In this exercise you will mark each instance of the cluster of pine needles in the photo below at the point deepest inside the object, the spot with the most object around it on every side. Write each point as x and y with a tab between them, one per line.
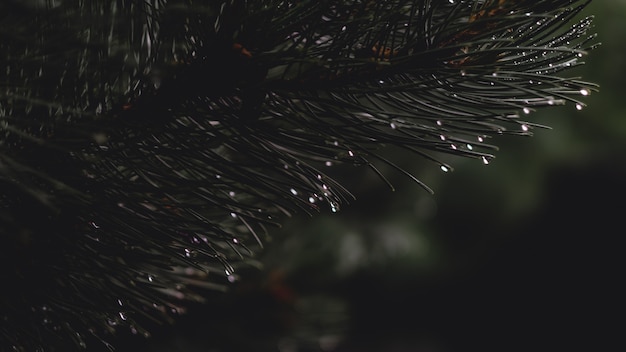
149	146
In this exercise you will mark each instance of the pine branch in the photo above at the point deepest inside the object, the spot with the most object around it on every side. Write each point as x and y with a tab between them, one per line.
142	137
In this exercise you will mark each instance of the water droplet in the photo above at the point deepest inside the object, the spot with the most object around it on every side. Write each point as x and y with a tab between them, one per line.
231	193
311	200
233	215
122	315
235	240
334	207
525	128
526	110
294	192
469	146
439	123
453	146
585	92
329	163
579	106
231	278
485	160
393	126
480	139
350	153
119	301
442	137
150	278
444	168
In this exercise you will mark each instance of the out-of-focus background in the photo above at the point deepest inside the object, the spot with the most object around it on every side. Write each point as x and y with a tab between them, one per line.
520	254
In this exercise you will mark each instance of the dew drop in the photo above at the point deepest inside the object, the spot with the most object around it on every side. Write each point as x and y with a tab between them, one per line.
526	110
328	163
334	207
485	160
579	106
444	168
122	315
311	200
393	126
442	137
585	92
469	146
231	193
294	192
150	278
525	128
439	123
233	215
480	139
350	153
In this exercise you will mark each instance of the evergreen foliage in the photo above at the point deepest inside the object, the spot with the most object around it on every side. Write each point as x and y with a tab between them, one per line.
146	146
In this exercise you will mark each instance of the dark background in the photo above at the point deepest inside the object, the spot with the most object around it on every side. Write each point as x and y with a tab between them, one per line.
521	254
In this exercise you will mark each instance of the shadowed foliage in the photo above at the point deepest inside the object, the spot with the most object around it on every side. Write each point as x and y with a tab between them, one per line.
147	146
